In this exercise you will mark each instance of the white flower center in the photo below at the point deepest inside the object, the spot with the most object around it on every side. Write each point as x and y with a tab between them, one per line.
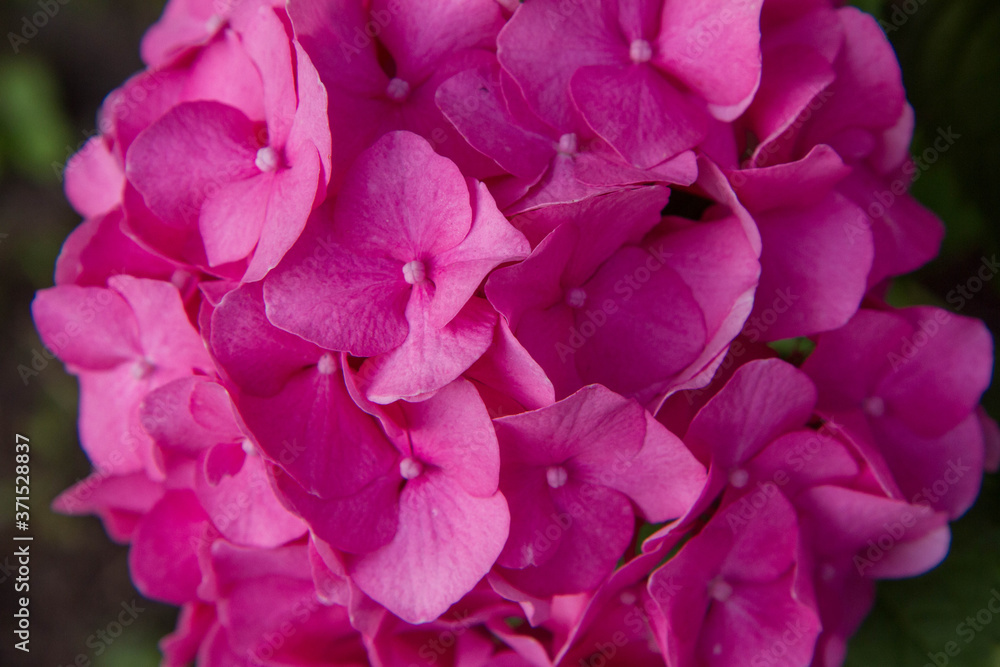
397	90
327	364
414	272
267	159
556	476
576	297
719	589
739	478
873	406
410	468
640	51
142	369
568	144
213	23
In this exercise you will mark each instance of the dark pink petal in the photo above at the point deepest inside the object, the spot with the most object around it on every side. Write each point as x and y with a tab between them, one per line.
727	71
245	509
88	327
763	400
403	200
458	272
195	149
338	299
446	542
241	333
564	38
94	178
797	298
452	432
638	112
162	558
119	500
358	523
431	357
423	33
473	101
643	339
595	526
268	45
98	249
167	336
508	367
663	456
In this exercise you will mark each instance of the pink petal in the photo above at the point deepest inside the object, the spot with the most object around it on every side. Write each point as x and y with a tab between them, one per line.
446	542
162	559
432	357
639	113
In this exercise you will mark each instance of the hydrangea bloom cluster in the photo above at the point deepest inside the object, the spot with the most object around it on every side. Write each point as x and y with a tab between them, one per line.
413	332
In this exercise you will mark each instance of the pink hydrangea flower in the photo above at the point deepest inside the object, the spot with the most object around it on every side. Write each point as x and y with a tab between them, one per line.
640	74
394	273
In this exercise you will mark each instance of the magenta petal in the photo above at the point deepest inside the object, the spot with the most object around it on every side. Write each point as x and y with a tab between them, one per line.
595	524
762	401
254	353
195	147
358	523
245	509
293	192
94	179
473	102
638	112
162	559
564	41
422	33
338	299
167	335
88	327
937	384
446	542
663	457
324	441
727	72
508	366
452	431
458	272
430	357
403	200
231	220
268	45
805	300
644	340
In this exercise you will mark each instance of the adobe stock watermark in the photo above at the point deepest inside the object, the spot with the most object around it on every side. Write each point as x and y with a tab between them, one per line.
966	631
434	649
759	324
966	291
894	532
595	317
910	346
31	25
740	513
911	173
363	37
102	638
901	13
87	311
708	31
764	156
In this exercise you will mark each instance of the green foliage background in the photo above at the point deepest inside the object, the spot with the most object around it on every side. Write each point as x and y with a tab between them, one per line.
49	95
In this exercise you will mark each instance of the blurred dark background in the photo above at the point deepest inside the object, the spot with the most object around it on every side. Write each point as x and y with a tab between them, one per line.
50	91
